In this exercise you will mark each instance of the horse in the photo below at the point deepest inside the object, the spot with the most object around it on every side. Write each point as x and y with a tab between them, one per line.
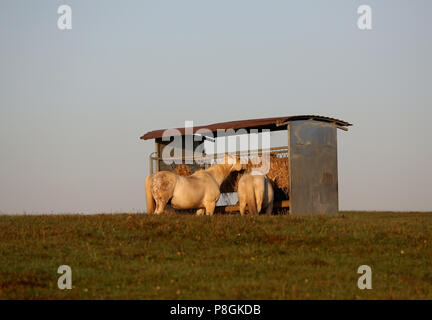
255	191
201	190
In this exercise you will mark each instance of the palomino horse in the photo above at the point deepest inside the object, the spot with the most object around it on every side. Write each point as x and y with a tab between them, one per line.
197	191
257	192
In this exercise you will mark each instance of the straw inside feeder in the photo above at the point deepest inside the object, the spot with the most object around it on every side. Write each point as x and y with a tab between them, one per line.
182	170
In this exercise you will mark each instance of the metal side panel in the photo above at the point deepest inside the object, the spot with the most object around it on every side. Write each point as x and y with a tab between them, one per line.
313	168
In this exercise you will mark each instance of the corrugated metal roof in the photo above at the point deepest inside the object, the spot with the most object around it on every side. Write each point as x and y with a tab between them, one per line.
264	123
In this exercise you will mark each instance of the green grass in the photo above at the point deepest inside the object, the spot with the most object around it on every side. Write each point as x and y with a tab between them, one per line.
138	256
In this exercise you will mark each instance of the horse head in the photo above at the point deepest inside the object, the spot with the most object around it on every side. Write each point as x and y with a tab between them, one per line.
236	162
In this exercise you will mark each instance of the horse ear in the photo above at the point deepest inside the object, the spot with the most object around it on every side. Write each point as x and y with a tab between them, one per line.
227	158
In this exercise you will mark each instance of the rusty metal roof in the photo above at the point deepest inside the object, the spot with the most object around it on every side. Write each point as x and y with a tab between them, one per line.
264	123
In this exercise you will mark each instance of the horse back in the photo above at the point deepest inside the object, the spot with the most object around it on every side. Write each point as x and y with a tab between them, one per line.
194	190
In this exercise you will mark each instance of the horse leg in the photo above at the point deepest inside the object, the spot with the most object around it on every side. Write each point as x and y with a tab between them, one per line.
160	206
200	212
161	202
259	200
269	208
163	184
242	203
269	198
210	207
251	203
242	207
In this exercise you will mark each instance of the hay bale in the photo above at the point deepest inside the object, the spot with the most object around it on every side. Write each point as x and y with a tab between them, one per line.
279	176
279	173
182	170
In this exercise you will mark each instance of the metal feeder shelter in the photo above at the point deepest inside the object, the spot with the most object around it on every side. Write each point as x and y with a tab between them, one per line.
311	150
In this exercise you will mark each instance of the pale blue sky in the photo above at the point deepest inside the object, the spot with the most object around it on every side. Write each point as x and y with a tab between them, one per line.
74	103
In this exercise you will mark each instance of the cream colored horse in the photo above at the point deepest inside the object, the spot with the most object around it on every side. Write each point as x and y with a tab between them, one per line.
197	191
256	192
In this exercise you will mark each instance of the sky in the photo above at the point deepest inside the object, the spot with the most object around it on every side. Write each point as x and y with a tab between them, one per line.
73	103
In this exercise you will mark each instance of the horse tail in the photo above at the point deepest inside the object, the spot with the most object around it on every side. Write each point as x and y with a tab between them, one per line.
260	191
149	197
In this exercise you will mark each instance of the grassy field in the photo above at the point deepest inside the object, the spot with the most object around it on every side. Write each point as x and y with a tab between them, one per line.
138	256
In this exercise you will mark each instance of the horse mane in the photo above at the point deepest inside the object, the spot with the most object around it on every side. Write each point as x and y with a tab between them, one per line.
219	172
